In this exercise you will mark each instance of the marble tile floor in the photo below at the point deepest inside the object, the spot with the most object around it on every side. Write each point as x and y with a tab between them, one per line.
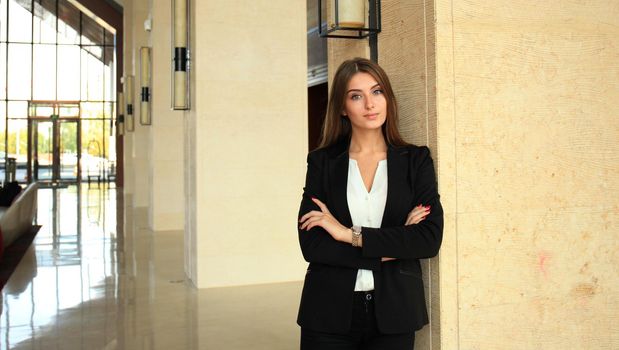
87	283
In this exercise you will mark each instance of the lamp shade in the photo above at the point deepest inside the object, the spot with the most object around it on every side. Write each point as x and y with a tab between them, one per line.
129	91
120	125
351	13
352	19
145	70
180	55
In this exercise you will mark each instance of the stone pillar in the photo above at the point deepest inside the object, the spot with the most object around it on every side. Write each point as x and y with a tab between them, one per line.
527	144
246	142
137	143
166	190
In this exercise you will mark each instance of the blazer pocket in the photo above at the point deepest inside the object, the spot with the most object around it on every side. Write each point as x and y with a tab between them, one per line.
411	273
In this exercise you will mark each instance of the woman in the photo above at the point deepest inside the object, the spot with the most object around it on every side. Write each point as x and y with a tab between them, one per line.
370	211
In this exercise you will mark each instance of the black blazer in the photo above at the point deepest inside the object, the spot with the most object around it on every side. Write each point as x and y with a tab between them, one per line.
327	297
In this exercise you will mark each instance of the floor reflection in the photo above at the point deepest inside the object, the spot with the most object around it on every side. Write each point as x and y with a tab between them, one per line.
73	261
97	278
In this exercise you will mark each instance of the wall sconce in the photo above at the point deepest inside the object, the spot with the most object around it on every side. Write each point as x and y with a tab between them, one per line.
128	89
180	55
352	19
145	69
120	118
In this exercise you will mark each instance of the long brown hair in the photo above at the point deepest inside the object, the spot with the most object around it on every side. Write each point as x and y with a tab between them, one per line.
336	125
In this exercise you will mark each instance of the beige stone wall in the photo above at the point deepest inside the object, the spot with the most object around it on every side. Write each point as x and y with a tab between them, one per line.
527	141
191	254
247	142
128	176
166	209
136	155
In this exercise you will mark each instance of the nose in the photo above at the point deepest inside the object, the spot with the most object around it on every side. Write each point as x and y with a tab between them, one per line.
369	102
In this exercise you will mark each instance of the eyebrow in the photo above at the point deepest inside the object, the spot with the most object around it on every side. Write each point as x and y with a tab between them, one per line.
351	90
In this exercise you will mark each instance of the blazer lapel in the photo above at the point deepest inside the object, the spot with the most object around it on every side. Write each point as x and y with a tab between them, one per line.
397	172
338	180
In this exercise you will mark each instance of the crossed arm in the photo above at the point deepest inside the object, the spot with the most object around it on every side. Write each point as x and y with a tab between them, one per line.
324	240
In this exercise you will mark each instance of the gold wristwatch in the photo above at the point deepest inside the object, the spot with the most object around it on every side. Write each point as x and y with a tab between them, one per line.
356	235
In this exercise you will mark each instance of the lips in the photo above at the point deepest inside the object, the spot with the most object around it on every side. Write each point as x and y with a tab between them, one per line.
371	116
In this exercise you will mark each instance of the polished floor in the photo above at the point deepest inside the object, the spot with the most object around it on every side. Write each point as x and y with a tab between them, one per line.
95	278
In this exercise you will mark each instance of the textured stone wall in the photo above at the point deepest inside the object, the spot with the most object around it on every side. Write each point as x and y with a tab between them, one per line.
527	130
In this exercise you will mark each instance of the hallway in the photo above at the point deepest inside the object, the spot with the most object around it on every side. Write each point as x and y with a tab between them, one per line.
87	284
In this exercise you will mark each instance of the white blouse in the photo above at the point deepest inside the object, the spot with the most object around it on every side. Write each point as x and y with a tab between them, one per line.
366	208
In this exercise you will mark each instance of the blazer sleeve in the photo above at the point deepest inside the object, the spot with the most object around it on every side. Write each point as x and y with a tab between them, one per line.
417	241
317	244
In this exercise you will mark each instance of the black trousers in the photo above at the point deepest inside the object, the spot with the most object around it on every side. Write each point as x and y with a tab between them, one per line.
363	335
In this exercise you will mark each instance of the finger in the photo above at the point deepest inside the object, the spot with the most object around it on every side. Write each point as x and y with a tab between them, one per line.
321	205
314	223
416	212
309	214
420	211
307	224
311	219
421	214
417	218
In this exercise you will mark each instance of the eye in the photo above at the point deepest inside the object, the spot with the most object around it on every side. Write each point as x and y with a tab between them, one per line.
377	92
355	97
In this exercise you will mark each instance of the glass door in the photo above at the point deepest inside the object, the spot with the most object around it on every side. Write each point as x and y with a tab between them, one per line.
43	150
53	143
68	160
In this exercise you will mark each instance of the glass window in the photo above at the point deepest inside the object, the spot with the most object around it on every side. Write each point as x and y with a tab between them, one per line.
109	74
92	77
44	22
108	109
17	145
2	138
50	51
110	112
44	71
3	67
2	131
68	23
19	78
93	156
69	110
17	109
68	73
92	110
94	50
20	20
92	137
3	20
41	110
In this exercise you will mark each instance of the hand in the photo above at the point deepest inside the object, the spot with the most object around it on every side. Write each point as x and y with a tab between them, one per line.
417	214
324	219
414	217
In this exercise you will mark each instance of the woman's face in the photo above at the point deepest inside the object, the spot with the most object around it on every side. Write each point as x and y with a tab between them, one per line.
365	103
